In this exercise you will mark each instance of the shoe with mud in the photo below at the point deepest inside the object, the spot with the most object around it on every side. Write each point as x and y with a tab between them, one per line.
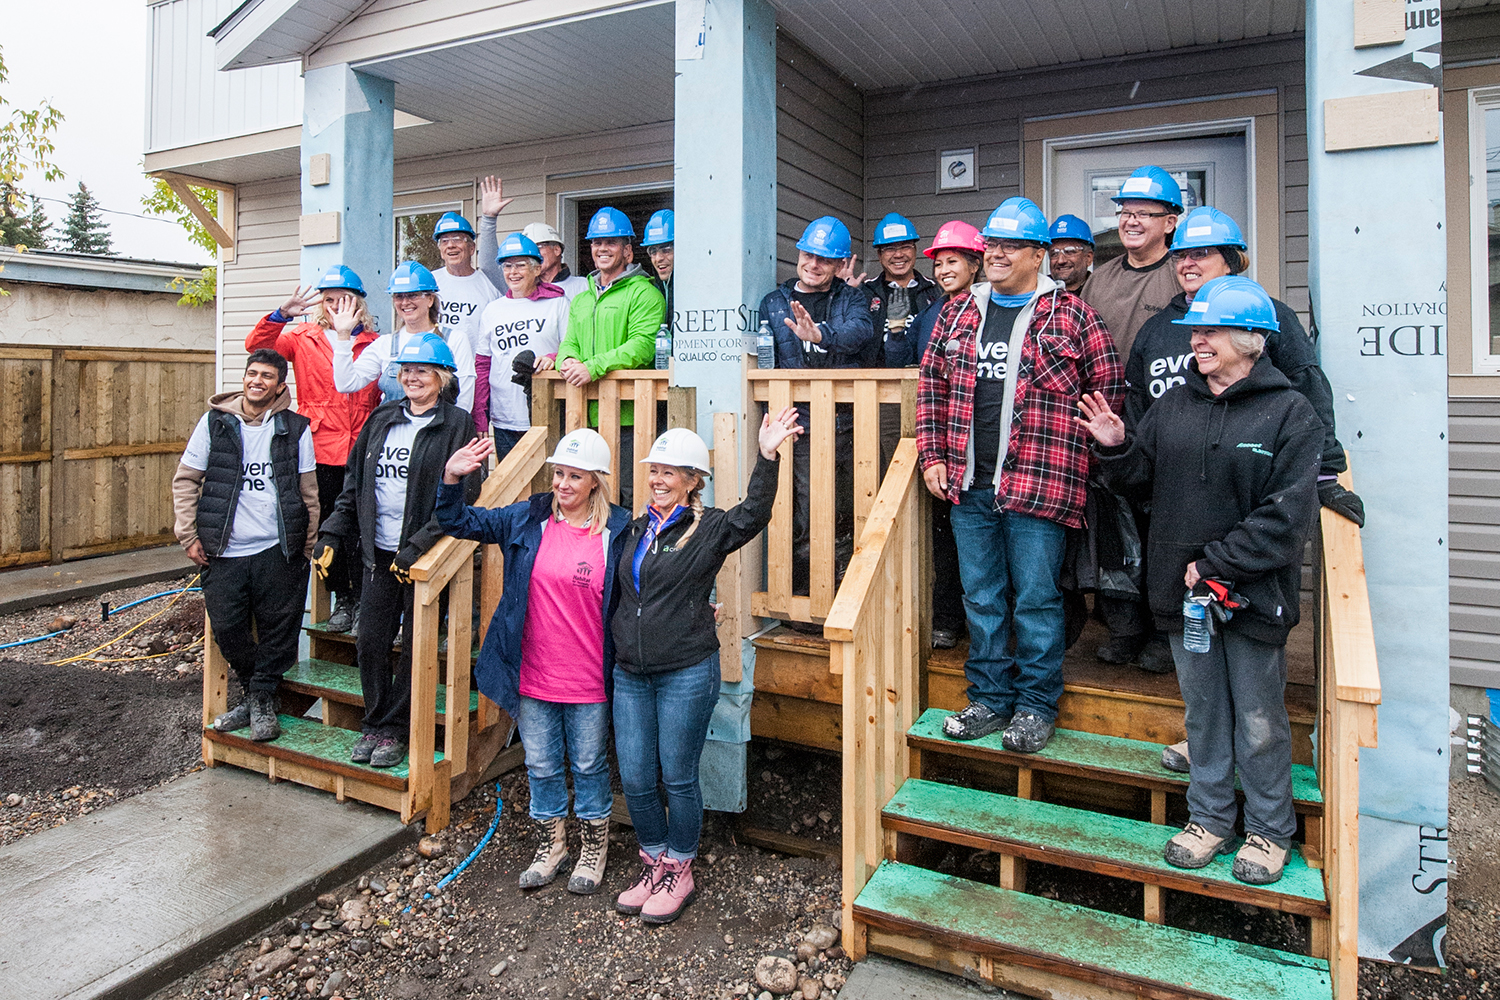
1156	658
1195	847
551	853
1027	733
1175	758
264	726
1119	650
593	854
973	722
235	719
944	638
363	748
388	752
674	891
1259	862
633	899
342	619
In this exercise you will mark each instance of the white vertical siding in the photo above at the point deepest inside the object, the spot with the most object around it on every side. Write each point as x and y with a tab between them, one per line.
265	268
188	101
1474	542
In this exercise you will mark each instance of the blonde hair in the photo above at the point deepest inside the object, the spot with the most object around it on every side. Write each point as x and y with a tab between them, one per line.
695	503
319	316
1248	342
598	504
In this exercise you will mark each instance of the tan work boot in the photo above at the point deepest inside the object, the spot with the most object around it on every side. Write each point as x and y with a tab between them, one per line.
593	854
551	853
1195	847
1175	758
1260	861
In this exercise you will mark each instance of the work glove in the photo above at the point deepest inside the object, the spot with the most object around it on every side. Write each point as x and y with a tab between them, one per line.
1344	503
1225	601
322	557
401	567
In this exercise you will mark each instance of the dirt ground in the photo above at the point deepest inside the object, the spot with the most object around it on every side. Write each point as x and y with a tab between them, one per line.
77	737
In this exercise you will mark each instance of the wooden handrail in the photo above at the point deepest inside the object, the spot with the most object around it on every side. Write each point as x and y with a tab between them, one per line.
564	408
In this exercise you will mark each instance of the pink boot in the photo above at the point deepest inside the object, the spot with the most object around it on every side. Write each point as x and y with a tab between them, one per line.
631	900
674	890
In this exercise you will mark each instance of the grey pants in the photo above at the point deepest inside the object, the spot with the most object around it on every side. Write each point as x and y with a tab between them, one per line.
1236	718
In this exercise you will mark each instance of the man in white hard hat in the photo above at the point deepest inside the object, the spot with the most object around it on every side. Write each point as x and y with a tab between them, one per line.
492	202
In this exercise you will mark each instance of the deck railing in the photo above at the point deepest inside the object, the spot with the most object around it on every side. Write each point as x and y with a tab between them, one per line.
564	408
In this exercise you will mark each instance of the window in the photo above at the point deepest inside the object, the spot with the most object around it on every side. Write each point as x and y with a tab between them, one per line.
1484	147
414	238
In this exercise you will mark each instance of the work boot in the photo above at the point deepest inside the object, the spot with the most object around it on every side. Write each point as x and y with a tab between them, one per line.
264	725
674	891
1195	847
342	619
1175	758
631	900
1260	861
363	748
235	719
944	638
593	854
1119	650
389	751
1156	657
974	721
551	853
1027	733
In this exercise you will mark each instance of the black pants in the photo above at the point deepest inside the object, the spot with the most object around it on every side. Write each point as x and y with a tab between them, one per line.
385	605
343	575
843	497
947	588
255	604
627	468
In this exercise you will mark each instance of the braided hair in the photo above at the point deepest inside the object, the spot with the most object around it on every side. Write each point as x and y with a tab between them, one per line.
695	502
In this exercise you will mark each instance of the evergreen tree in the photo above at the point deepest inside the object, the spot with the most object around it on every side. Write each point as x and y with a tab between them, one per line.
84	229
28	231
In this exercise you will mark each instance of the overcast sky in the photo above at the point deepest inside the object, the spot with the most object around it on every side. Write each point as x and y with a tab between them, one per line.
93	70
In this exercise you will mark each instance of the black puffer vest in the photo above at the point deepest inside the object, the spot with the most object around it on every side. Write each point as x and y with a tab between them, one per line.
221	482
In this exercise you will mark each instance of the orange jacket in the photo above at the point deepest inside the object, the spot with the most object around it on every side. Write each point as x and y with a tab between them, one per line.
336	416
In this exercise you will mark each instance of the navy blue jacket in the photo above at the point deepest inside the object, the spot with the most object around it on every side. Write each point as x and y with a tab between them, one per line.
517	529
907	352
849	339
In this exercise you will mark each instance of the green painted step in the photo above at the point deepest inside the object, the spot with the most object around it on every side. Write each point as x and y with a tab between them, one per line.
1081	943
321	630
326	748
340	682
1130	762
1077	838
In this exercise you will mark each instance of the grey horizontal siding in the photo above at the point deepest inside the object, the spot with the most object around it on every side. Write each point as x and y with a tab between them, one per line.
1474	542
1471	36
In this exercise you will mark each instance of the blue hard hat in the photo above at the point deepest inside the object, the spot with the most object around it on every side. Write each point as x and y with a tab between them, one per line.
1017	219
1150	184
339	276
1207	227
609	222
428	349
894	228
1232	300
660	228
1071	227
517	245
452	222
826	237
410	276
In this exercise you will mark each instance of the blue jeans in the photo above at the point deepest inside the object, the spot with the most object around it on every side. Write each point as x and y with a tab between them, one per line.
1007	559
505	440
661	724
549	730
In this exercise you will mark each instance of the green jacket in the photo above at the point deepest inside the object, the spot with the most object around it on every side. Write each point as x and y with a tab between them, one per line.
614	329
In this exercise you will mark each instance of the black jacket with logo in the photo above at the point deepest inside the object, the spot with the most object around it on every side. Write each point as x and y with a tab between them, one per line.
1233	483
669	623
898	349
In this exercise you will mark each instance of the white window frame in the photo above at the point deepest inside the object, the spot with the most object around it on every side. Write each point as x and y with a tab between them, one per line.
1485	361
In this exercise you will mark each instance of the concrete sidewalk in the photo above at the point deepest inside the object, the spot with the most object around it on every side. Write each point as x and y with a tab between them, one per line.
125	900
22	589
881	978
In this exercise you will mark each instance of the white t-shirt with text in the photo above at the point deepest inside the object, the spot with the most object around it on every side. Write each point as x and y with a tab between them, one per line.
254	529
508	327
390	479
461	302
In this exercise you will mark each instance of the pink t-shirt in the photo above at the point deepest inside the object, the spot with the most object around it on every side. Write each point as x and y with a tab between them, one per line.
562	644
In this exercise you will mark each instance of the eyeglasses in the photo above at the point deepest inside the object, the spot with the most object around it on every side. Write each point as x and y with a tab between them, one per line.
408	296
1067	251
1195	253
1008	247
411	368
1126	215
453	239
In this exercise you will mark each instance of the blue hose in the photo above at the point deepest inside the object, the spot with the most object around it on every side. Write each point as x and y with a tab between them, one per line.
164	593
455	873
27	642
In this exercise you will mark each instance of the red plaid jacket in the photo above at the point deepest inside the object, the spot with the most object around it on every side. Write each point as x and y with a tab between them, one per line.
1067	352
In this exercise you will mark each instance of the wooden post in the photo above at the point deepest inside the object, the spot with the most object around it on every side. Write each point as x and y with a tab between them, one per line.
866	452
419	780
609	429
779	534
491	586
460	643
215	685
682	409
822	500
729	583
645	436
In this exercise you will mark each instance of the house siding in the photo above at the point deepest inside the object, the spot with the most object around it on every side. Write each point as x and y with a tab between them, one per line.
1474	541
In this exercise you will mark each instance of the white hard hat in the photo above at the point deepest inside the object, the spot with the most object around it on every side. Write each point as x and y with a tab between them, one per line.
681	447
583	449
540	232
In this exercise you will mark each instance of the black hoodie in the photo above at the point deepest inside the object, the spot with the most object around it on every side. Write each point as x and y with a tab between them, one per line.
1233	484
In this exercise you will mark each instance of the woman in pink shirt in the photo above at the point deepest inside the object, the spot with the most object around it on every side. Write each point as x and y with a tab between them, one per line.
547	655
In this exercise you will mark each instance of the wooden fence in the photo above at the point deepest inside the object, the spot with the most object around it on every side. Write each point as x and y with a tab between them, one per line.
564	408
89	441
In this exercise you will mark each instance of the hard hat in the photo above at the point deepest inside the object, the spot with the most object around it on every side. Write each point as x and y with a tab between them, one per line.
609	222
452	222
1018	219
540	232
582	449
956	235
339	276
660	228
517	245
680	447
1232	300
1207	227
1150	184
428	349
826	237
894	228
410	276
1071	227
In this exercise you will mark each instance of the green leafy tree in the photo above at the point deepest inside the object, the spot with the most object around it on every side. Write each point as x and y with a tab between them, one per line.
84	228
163	201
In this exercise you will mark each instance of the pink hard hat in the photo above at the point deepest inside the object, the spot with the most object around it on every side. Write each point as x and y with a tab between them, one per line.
956	235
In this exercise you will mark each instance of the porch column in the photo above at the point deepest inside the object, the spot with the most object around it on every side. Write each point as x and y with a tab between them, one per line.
1378	263
348	154
725	204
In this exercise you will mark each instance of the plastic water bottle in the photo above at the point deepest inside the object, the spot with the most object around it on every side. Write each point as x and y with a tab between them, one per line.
663	347
1195	634
765	347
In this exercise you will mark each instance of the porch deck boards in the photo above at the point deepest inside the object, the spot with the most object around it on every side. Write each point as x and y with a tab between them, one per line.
340	682
1120	952
1088	841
